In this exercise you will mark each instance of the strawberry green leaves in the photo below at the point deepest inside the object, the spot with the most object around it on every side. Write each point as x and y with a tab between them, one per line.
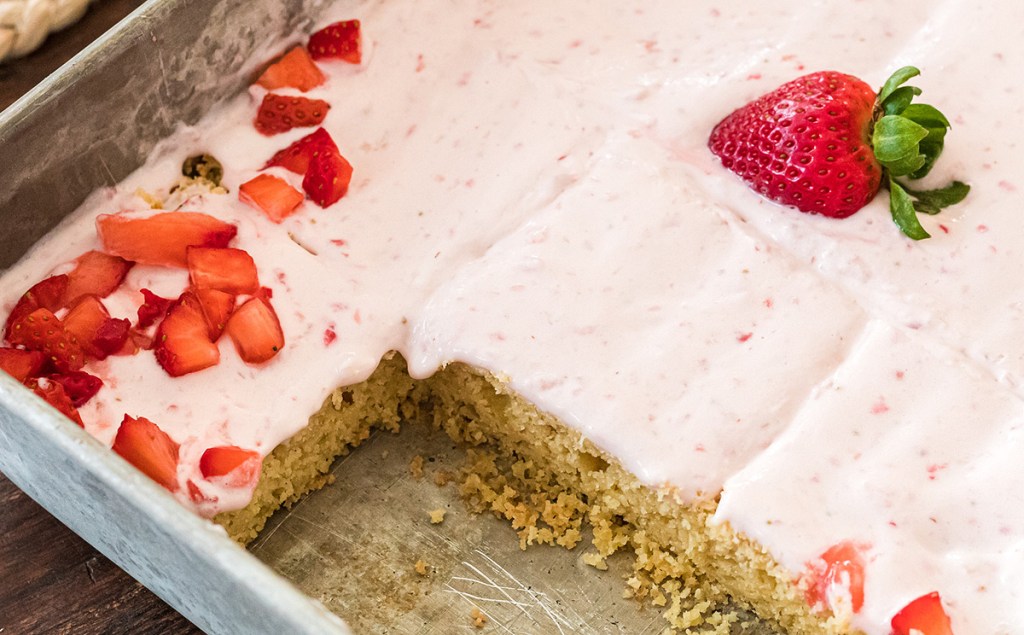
907	139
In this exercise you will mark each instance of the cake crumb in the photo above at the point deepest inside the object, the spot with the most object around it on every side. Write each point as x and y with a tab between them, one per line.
437	516
478	617
421	567
385	454
443	477
416	467
595	560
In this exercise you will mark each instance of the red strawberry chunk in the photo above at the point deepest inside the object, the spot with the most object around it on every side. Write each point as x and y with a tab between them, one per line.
97	333
53	393
256	331
112	337
217	307
182	344
280	113
295	70
327	179
42	331
153	308
840	570
224	269
95	273
162	239
21	364
47	294
78	385
341	40
297	156
923	616
143	444
272	196
232	465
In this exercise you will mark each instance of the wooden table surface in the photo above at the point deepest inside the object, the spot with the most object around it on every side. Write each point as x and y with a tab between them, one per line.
51	581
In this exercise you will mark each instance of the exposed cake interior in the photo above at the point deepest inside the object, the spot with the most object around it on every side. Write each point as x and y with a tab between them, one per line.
548	481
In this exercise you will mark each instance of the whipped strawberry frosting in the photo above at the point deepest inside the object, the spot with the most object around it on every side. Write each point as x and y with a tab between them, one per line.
533	195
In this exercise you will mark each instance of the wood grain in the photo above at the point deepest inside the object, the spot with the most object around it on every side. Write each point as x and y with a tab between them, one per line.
52	581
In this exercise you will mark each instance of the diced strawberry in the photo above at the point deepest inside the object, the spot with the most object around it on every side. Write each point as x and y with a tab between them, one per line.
256	331
53	393
195	494
153	308
42	331
95	273
143	444
234	466
297	156
341	40
47	294
217	307
225	269
112	336
923	616
21	364
97	333
271	195
182	344
280	113
838	572
296	70
327	179
162	239
78	385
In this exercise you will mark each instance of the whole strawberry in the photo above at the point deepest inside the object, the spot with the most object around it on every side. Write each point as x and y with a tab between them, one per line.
825	143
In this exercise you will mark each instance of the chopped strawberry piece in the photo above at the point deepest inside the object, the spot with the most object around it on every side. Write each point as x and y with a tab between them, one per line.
280	113
923	616
95	273
236	467
112	336
297	156
47	294
182	344
341	40
195	494
21	364
295	70
53	393
271	195
143	444
162	239
153	308
224	269
217	307
42	331
256	331
327	179
97	333
78	385
838	573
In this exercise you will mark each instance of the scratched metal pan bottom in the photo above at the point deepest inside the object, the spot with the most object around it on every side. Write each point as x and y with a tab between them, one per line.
354	544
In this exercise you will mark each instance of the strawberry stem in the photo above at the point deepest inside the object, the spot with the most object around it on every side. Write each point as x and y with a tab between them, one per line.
907	139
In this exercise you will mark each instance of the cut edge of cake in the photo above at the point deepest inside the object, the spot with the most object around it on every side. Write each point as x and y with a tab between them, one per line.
683	562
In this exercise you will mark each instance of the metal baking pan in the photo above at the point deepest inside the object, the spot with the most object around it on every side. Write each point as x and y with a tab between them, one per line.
353	545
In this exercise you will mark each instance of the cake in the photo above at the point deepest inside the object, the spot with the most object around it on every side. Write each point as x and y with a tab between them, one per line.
536	244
